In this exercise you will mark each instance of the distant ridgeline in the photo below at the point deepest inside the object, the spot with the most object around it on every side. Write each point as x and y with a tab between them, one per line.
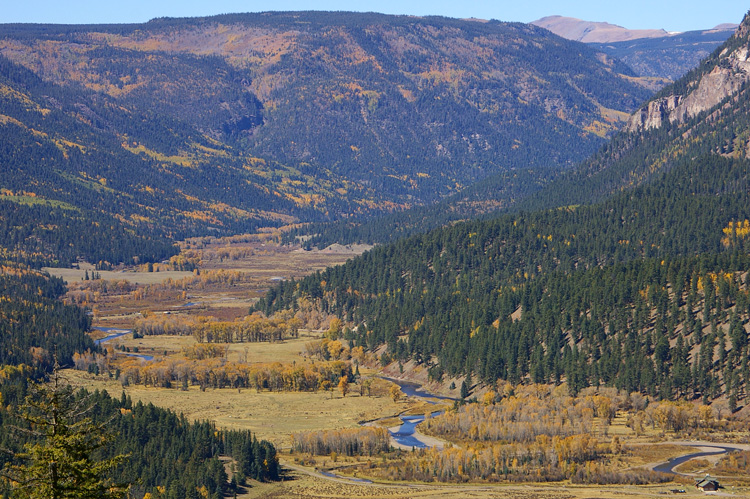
666	57
630	271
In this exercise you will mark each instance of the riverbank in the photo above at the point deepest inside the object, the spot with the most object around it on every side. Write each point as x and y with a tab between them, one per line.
406	436
424	440
712	452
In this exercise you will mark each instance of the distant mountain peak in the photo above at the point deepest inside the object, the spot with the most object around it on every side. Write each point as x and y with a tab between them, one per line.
725	27
594	32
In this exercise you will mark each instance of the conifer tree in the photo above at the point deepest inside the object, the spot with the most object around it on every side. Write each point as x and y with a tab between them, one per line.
464	390
59	460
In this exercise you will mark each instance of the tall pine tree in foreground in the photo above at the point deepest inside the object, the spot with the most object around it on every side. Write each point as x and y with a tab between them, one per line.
59	460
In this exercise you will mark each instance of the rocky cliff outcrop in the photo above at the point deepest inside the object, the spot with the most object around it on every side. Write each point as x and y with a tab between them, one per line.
654	114
731	70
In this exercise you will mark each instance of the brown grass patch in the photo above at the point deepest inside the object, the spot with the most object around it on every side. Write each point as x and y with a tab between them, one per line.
694	466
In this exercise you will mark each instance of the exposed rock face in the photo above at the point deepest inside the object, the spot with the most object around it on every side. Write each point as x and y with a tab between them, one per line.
729	74
721	82
654	114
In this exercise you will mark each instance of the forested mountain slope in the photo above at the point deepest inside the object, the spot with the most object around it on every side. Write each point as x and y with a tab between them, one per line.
670	126
669	57
646	289
481	200
88	169
181	126
705	113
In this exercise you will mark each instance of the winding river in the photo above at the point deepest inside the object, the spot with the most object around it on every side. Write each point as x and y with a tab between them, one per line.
670	465
414	390
113	333
404	435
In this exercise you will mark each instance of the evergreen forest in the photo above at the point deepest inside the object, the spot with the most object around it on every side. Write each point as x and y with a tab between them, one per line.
166	456
630	271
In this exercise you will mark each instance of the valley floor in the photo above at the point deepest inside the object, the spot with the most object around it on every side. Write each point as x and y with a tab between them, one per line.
277	415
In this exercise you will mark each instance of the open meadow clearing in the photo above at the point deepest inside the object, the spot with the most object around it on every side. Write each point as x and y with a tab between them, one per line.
74	275
272	416
228	276
287	351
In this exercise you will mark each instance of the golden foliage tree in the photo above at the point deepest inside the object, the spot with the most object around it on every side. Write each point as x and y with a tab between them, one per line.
344	386
395	393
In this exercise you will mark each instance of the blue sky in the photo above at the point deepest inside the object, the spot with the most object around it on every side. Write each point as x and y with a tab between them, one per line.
672	15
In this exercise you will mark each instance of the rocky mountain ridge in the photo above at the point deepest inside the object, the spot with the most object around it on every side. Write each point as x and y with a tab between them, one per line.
726	75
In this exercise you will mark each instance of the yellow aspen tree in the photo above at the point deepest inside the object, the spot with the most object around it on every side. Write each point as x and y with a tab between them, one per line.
344	386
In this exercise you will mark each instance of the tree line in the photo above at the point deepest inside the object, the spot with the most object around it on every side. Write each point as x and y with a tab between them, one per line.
217	372
252	328
367	441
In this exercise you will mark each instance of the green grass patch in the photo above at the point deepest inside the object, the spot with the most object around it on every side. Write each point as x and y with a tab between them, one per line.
34	201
